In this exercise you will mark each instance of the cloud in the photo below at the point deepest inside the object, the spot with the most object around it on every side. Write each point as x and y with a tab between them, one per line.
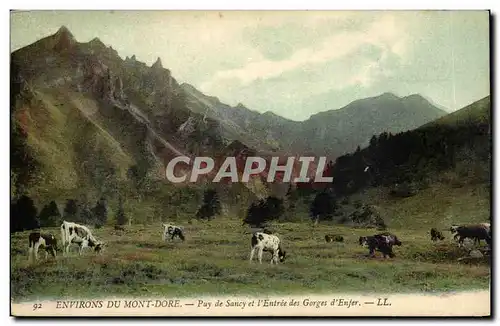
381	35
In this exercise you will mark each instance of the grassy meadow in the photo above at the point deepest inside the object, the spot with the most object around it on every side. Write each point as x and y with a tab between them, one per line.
214	258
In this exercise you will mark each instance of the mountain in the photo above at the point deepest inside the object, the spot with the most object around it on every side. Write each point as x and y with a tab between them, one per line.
331	133
454	149
85	121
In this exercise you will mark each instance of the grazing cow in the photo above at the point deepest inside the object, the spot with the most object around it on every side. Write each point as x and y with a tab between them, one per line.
80	235
332	237
172	231
44	240
477	232
382	242
267	242
436	235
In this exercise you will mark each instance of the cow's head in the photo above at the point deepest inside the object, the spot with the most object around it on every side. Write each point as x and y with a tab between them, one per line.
181	235
281	255
453	228
363	241
97	245
328	238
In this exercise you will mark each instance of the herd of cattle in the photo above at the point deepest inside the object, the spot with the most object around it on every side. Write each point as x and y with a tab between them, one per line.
73	233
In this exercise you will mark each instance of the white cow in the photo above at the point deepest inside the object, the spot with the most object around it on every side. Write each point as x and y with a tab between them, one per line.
267	242
80	235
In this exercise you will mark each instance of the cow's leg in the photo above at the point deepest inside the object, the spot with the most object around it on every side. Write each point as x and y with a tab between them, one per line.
47	253
275	257
37	245
30	253
252	251
261	251
372	252
80	249
461	241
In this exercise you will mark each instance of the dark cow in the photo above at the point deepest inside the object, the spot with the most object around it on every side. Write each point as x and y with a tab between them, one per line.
334	238
44	240
436	235
382	242
477	232
172	231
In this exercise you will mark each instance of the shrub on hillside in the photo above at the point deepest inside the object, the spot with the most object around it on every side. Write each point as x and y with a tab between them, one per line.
211	205
23	215
264	210
50	215
323	206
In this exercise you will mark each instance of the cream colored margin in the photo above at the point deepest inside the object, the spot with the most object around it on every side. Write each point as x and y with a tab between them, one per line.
475	303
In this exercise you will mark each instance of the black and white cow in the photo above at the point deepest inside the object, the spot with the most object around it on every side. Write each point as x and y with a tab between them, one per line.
73	233
267	242
45	240
436	235
382	242
172	231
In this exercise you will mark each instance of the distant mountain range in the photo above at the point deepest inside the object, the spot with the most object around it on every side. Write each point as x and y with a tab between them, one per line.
83	116
330	133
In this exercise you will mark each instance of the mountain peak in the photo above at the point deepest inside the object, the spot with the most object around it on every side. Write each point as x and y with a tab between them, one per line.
388	95
63	30
415	97
63	39
157	64
96	42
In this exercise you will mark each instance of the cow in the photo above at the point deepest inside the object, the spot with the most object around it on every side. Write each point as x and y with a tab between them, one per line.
382	242
172	231
45	240
332	237
436	235
477	232
267	242
79	234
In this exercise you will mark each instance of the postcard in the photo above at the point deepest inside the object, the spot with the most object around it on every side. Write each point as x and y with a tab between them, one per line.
250	163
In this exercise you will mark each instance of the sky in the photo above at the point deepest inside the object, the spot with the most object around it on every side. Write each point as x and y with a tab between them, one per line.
293	63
